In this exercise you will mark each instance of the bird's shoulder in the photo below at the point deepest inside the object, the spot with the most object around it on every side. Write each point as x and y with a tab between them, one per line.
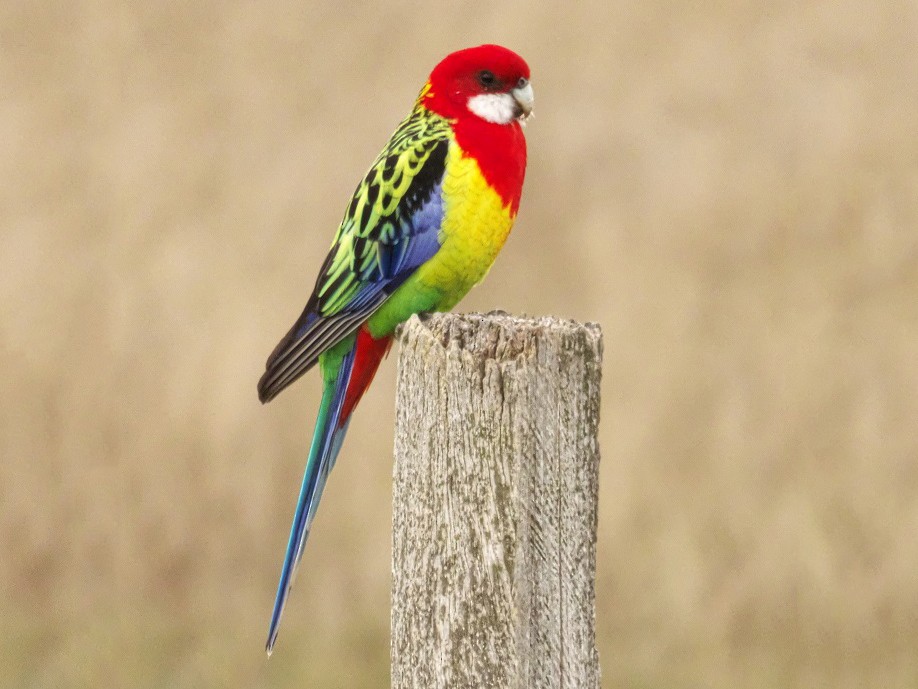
401	179
390	225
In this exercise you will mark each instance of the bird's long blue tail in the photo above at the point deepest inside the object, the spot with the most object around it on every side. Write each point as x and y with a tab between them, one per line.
326	442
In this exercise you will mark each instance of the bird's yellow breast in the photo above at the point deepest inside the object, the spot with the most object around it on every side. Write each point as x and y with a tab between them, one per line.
475	225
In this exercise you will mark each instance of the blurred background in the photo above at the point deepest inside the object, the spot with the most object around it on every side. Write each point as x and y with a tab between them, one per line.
729	188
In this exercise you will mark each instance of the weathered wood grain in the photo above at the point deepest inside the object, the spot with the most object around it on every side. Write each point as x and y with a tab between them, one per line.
495	492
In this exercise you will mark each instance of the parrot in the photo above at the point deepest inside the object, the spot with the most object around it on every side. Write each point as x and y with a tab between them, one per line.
422	228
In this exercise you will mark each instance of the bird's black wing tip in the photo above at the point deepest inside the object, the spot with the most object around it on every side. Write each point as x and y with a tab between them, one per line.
267	387
266	393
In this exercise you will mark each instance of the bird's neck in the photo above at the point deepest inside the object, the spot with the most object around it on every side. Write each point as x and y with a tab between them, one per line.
500	150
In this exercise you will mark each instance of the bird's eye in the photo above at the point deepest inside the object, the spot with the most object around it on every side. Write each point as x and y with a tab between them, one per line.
521	84
486	78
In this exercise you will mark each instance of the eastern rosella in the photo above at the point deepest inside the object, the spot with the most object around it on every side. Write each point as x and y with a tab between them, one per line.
423	227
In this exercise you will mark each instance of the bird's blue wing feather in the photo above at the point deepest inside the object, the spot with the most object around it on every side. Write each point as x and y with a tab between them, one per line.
391	227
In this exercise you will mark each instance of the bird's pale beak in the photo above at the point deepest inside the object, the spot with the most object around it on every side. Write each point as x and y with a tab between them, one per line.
524	98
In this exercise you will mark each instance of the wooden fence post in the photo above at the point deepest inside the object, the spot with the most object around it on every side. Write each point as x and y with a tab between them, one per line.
495	490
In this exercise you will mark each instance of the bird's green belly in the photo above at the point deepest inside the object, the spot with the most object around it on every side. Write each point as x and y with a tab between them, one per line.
475	226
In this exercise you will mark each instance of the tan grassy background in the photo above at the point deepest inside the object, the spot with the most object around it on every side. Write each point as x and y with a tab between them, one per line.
729	188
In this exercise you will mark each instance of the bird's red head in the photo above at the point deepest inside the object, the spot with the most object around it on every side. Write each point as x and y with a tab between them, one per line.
489	82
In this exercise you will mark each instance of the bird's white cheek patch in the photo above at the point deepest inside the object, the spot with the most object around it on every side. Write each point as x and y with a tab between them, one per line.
499	108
